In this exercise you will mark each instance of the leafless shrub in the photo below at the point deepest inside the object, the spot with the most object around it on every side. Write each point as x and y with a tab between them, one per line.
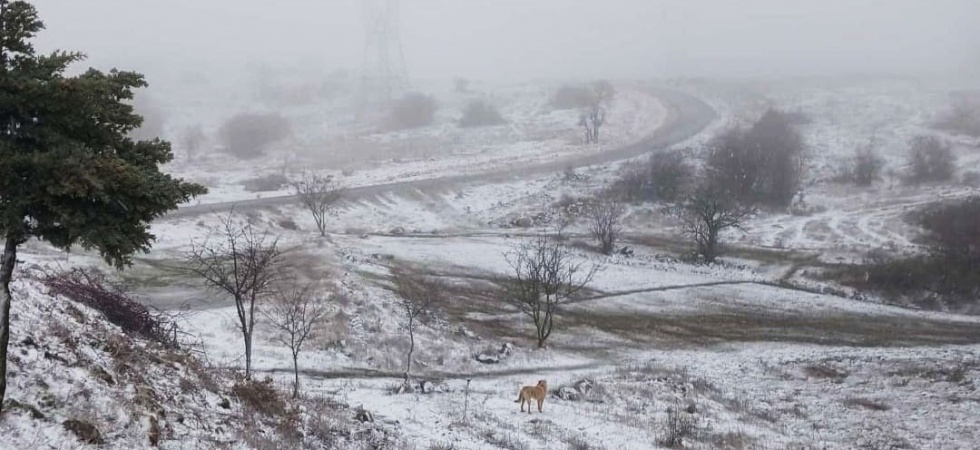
414	110
678	428
238	261
930	160
480	113
708	212
866	403
605	224
319	194
260	396
762	164
418	294
864	168
666	176
266	183
545	277
92	289
248	135
295	312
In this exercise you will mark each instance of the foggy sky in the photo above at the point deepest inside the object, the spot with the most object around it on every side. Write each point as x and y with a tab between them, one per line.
528	39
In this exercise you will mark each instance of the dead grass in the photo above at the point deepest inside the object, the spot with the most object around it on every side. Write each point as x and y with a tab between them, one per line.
679	428
575	442
260	396
504	440
866	403
732	440
826	371
712	328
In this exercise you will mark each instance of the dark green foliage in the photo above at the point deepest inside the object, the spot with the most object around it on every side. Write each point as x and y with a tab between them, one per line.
69	173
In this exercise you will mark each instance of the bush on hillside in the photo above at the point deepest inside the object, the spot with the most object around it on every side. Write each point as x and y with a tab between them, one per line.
479	113
248	135
414	110
930	160
759	165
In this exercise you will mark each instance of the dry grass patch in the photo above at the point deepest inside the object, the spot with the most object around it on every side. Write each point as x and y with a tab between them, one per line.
866	403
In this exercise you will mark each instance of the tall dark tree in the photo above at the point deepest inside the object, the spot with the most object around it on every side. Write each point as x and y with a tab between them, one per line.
69	173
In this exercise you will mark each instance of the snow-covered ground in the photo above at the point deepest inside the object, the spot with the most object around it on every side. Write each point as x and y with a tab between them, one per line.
743	359
361	153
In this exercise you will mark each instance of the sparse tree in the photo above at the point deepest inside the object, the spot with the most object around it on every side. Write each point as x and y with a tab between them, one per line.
605	224
248	135
192	139
594	116
706	213
930	159
414	110
545	277
480	113
417	295
762	164
69	172
318	193
295	311
241	262
867	166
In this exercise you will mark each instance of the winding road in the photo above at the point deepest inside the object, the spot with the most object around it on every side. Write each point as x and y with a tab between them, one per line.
687	116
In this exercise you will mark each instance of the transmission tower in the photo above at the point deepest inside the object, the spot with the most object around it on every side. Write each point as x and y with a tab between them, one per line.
383	75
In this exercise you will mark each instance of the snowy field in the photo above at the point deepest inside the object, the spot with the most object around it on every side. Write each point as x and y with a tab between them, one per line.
720	357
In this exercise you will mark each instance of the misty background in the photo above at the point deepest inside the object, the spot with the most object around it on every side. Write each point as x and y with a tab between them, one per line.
524	39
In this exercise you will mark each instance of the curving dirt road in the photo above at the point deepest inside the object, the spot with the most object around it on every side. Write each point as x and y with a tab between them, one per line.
686	117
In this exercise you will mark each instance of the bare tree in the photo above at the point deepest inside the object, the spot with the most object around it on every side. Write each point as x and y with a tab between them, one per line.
241	262
708	212
295	312
605	224
930	159
594	115
418	294
545	277
318	193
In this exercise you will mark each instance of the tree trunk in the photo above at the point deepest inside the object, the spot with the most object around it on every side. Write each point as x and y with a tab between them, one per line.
7	263
248	354
295	375
411	346
250	330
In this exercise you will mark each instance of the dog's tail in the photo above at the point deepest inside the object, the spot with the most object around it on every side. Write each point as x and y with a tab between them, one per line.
519	398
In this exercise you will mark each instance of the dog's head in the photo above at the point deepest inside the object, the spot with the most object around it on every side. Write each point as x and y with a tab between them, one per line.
542	383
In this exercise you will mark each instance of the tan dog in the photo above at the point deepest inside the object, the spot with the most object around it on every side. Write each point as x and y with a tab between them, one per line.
529	393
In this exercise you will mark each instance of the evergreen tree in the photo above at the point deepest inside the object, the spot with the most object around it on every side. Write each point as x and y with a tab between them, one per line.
69	173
